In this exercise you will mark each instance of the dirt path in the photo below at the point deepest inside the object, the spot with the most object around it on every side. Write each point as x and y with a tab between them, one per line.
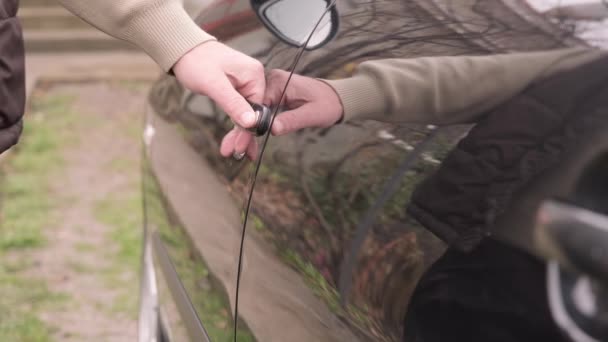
91	253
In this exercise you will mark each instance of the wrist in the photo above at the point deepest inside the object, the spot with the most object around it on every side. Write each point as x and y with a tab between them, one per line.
359	97
165	31
184	59
336	102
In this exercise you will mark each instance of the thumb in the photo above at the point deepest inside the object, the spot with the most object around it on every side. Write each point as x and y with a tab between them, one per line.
232	102
302	117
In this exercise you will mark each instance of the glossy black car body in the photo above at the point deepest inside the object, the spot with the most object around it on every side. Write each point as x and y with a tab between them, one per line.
314	187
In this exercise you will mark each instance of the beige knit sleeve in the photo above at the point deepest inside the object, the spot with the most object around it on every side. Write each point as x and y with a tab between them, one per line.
447	90
162	28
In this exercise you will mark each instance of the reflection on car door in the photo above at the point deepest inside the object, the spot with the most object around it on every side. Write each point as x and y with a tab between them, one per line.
313	190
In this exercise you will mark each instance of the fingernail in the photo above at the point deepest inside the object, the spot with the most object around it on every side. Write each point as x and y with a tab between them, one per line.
238	156
248	119
278	127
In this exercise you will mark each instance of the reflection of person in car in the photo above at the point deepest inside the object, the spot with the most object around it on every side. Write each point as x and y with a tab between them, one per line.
529	108
162	29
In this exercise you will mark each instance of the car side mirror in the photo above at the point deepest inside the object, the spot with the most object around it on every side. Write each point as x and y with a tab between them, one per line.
292	21
574	236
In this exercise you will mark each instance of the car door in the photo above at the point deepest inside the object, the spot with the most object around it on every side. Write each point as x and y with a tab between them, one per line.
330	253
188	209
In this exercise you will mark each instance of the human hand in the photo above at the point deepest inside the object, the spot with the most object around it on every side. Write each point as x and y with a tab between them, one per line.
310	102
229	78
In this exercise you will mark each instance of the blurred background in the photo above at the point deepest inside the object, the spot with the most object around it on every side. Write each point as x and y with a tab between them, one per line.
70	206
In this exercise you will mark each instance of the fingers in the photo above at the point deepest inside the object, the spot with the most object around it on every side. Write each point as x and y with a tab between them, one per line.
306	116
251	84
222	74
232	102
229	78
305	103
227	146
253	150
238	85
242	141
238	141
312	103
274	86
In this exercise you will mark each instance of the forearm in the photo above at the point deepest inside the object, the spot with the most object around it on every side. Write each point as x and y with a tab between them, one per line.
446	90
162	28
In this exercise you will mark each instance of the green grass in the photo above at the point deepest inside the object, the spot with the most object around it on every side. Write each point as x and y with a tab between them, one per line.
133	85
120	165
26	210
124	303
27	327
26	204
80	267
122	212
84	247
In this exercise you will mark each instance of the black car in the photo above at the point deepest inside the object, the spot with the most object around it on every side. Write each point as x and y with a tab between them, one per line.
330	253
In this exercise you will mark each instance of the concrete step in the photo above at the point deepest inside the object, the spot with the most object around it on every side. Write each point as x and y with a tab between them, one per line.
71	41
49	18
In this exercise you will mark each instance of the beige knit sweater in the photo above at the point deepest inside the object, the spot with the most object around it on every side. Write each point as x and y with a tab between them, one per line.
447	90
162	28
438	90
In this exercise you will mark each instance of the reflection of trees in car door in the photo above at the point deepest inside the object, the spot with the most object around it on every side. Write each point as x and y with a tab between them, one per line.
326	193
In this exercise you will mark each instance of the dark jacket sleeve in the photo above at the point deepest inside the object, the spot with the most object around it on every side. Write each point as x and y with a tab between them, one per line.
12	77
